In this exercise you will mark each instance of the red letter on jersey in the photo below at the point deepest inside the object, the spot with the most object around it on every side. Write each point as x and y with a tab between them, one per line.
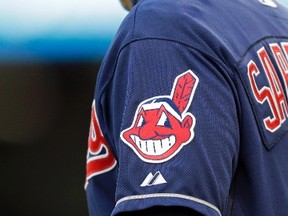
275	85
285	48
99	157
262	95
281	62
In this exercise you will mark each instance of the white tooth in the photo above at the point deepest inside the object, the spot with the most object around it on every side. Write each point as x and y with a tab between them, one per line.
169	140
165	142
149	148
154	147
157	147
137	141
172	140
142	144
145	147
166	146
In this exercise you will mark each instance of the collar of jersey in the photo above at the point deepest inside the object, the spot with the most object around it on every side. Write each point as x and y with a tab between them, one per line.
134	2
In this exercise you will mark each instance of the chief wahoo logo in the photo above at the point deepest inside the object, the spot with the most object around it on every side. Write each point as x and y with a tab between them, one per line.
162	126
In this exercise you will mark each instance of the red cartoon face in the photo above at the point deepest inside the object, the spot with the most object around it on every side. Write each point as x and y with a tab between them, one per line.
161	127
157	135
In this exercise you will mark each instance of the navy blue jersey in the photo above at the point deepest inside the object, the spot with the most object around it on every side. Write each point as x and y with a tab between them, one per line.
191	110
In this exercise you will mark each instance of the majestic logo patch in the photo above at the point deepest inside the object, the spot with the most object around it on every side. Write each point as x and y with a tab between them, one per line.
162	126
152	180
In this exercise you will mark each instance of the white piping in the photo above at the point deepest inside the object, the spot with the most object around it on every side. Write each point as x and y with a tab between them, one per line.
169	195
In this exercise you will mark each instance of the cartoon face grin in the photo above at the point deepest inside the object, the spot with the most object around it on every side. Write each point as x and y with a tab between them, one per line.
154	147
161	125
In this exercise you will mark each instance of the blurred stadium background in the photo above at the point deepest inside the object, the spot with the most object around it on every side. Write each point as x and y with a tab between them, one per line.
50	52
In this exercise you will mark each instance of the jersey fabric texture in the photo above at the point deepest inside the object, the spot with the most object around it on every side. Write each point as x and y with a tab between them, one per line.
191	100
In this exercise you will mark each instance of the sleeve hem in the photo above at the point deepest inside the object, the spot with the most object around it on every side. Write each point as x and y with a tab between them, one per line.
138	202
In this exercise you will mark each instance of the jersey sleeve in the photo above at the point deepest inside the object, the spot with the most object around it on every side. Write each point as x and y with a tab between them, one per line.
170	116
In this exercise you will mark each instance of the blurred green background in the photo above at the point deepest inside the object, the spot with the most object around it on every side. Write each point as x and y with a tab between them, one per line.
50	52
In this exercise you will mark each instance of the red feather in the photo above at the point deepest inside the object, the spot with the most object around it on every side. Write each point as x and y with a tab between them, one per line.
182	91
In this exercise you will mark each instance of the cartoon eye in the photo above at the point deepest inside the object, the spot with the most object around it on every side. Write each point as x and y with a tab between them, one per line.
164	121
141	122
